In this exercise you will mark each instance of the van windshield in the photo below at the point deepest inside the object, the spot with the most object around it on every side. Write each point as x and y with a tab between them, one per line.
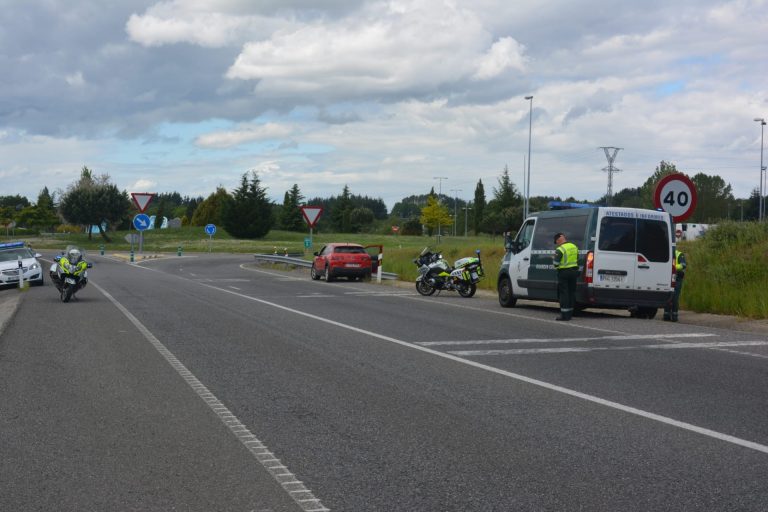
645	236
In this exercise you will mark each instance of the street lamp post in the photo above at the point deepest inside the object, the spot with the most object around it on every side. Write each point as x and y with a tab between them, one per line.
466	214
439	193
528	185
455	218
761	202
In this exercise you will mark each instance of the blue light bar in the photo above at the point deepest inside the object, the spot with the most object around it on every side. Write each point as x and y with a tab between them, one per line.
11	245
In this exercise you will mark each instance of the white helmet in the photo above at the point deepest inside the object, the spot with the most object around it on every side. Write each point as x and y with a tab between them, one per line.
74	256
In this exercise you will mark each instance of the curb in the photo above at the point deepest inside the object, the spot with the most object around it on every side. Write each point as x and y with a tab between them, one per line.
8	306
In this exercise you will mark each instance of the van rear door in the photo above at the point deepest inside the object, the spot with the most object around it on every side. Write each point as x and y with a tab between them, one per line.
633	250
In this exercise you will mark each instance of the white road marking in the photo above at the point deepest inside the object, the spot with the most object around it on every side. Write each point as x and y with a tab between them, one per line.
287	480
566	340
235	288
516	376
562	350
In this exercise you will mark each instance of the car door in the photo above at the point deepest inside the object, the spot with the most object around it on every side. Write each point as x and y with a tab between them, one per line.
616	258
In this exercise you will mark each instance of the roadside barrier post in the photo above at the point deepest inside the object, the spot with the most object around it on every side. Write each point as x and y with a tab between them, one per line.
378	269
178	251
101	249
21	274
131	256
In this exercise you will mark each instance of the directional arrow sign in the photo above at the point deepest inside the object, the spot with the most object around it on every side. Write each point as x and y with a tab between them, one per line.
311	214
142	199
141	222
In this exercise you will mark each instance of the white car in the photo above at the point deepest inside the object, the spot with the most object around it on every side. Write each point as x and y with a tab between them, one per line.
9	264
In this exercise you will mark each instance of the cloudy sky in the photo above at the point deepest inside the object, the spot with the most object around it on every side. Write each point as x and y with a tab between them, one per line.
383	95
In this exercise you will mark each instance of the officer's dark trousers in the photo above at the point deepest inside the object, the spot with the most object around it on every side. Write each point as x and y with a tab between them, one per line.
566	291
670	312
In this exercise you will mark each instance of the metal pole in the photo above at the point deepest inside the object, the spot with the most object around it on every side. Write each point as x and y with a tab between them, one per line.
466	214
761	200
455	215
439	193
530	126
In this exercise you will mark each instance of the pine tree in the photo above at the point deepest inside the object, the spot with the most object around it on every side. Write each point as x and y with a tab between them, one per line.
291	218
249	212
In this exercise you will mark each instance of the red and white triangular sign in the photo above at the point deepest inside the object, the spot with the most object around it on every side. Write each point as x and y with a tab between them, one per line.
142	199
311	214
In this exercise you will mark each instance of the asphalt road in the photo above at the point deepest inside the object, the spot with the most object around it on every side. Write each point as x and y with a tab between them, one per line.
211	383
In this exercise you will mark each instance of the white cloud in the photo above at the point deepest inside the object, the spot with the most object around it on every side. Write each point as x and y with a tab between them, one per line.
75	79
504	54
242	135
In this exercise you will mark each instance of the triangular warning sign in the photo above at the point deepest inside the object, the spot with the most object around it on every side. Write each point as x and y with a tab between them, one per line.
311	214
142	199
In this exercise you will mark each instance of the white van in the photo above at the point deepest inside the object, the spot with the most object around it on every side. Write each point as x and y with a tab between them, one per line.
625	258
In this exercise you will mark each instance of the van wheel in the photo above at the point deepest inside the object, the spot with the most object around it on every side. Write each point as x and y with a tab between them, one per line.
506	299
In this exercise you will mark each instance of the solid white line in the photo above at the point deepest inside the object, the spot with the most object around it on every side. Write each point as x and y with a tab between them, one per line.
279	472
562	350
566	340
522	378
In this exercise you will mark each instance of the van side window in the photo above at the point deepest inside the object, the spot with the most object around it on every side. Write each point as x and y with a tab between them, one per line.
573	227
525	235
653	240
617	234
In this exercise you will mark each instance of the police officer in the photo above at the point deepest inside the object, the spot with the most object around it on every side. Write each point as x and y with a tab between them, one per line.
670	311
566	260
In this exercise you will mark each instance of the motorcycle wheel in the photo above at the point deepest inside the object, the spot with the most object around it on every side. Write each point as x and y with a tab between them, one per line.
66	293
424	288
466	290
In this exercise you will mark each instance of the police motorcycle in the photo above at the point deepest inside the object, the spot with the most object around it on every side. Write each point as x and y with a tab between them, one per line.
436	275
69	272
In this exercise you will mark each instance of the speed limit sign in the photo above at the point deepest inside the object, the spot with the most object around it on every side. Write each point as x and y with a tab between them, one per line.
676	195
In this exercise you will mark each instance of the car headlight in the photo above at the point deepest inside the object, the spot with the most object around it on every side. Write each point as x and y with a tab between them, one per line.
34	266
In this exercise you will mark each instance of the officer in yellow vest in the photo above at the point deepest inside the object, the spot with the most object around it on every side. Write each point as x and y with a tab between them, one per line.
566	260
670	311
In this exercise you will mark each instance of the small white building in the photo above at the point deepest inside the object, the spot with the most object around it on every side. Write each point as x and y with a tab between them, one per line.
690	231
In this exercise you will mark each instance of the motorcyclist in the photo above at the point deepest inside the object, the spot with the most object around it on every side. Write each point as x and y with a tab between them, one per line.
72	262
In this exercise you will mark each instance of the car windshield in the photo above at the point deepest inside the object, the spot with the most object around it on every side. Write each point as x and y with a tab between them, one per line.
349	250
13	254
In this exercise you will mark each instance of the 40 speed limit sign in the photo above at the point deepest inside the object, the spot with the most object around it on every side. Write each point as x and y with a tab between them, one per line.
676	195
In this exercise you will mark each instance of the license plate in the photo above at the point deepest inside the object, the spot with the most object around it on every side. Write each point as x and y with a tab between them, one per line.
353	265
69	280
611	278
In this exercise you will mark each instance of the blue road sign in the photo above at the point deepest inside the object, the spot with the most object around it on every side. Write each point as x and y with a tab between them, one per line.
141	222
210	229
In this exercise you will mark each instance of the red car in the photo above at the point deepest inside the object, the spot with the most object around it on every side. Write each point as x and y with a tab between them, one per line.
343	260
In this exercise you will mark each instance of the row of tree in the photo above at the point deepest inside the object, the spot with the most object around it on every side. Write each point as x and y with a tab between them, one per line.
246	212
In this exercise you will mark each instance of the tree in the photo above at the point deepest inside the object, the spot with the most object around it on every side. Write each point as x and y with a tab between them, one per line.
248	214
94	202
359	218
208	211
40	216
291	218
340	213
435	214
505	210
479	207
714	197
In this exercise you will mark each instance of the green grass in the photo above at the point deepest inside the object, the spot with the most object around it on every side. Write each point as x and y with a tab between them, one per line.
727	270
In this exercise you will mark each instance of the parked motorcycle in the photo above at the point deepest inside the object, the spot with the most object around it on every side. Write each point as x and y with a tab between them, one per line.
69	272
436	275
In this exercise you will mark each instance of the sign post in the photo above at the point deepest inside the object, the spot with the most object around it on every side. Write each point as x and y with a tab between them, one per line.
311	216
140	222
210	229
676	195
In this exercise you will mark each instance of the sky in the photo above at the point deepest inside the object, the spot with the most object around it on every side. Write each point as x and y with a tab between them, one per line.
389	97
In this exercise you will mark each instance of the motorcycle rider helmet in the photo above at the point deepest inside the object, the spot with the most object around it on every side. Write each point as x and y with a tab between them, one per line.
74	256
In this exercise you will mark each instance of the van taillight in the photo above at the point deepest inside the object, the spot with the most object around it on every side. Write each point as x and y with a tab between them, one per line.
589	267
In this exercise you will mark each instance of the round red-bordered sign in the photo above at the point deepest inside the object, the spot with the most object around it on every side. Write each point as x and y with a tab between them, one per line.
676	195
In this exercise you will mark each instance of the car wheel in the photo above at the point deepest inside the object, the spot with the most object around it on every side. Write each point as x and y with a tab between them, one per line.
328	274
506	299
313	273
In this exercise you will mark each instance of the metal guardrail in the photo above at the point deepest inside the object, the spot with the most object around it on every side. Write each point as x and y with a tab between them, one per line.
300	262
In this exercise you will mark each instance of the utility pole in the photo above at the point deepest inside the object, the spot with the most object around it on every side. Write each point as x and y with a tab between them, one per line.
610	170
